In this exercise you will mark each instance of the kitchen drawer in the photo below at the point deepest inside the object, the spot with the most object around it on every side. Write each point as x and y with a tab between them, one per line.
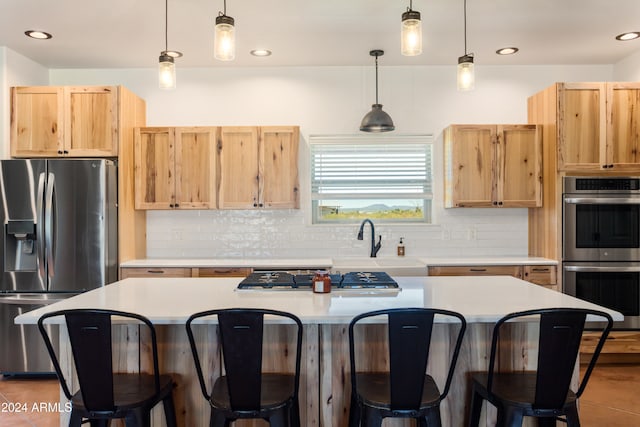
617	342
221	272
545	275
154	272
476	270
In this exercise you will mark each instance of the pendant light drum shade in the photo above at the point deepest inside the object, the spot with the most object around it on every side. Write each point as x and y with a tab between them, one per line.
376	120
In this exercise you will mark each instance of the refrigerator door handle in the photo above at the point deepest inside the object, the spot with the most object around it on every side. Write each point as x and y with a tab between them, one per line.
49	224
25	300
40	237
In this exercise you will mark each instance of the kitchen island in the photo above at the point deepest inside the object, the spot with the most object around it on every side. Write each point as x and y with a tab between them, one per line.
324	389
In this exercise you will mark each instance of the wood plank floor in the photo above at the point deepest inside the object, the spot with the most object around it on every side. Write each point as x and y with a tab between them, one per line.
612	399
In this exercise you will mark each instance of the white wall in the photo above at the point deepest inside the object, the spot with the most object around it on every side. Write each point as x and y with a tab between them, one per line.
15	70
333	100
628	70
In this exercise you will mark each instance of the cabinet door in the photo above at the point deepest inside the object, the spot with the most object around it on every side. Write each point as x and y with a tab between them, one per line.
623	126
476	270
126	272
37	121
581	126
154	168
91	121
520	166
238	158
470	156
278	167
544	275
195	151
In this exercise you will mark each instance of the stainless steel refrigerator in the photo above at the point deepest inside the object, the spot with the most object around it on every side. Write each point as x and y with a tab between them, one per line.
59	238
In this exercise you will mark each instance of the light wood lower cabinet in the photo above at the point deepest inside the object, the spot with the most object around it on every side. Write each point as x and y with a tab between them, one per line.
154	272
544	275
126	272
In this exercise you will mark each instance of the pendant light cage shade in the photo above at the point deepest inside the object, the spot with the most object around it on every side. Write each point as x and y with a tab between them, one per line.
225	38
376	120
411	33
466	75
166	72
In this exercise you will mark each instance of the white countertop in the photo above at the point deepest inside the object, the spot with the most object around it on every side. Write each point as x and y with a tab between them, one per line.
231	262
433	261
365	262
173	300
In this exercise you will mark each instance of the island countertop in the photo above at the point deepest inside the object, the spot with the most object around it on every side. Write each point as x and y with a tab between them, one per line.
172	300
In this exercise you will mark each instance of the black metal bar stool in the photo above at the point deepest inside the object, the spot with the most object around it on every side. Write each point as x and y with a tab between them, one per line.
405	390
245	391
104	394
544	393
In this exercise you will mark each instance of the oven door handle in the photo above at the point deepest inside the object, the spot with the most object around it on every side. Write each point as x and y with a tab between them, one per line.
602	200
594	269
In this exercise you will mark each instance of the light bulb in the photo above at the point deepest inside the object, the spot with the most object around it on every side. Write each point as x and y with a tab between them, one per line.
411	33
166	72
466	76
225	39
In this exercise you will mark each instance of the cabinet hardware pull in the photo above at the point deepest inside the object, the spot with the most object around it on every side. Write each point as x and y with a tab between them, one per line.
540	270
477	269
155	271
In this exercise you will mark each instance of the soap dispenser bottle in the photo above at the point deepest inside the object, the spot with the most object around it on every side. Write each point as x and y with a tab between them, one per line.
401	247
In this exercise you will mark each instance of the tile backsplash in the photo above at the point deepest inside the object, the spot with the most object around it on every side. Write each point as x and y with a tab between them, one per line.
288	234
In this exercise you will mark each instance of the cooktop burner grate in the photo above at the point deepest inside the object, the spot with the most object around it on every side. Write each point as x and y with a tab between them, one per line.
286	281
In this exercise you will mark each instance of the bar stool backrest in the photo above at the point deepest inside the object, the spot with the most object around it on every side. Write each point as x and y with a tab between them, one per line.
409	334
241	335
90	337
560	332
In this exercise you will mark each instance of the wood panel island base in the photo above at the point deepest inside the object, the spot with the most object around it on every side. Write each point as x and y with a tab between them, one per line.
325	385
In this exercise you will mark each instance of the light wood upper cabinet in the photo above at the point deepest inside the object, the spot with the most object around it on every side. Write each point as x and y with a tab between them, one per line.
175	168
493	166
258	167
598	126
74	121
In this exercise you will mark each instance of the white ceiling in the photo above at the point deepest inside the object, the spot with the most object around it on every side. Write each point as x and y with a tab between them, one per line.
130	33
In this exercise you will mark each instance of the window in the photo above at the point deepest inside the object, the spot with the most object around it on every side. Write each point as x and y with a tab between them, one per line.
384	178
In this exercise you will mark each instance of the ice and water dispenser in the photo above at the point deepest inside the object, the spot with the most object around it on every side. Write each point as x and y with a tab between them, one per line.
20	246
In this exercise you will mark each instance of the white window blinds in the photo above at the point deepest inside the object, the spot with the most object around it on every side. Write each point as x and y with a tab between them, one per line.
364	168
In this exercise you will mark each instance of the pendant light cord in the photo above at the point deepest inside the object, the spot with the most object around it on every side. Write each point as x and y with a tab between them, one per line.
465	27
166	25
376	79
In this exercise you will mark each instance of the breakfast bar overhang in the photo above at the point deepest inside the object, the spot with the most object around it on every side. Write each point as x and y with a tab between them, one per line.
324	388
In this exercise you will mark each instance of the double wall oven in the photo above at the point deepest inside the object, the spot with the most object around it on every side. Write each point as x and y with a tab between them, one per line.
601	243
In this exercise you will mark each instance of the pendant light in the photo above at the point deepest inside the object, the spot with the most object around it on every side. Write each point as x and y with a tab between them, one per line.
376	120
166	67
411	32
225	37
466	75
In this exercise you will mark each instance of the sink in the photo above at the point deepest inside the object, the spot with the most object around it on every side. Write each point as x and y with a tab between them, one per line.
394	266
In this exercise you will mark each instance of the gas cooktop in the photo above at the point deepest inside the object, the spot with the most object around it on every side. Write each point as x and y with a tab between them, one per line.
280	280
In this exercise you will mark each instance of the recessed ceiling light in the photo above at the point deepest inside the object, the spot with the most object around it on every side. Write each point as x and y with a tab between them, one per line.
40	35
628	36
260	52
171	53
507	51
